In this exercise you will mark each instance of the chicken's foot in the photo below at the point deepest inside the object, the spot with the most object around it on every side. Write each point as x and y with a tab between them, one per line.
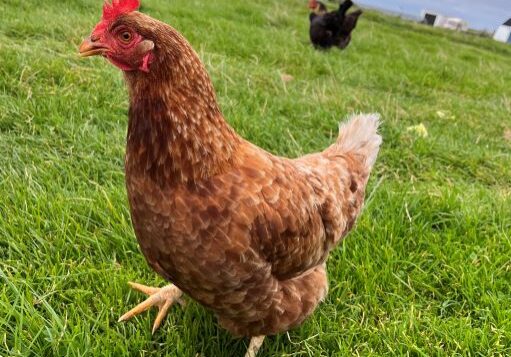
255	345
163	298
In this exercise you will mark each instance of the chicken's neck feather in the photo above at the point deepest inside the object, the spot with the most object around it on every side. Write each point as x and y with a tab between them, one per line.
176	132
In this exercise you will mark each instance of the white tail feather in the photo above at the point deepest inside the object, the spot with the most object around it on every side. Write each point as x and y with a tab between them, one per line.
360	135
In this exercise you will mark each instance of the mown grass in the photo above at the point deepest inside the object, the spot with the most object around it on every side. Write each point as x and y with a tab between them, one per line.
427	270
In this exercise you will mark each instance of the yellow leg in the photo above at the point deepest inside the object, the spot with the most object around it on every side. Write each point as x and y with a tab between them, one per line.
255	345
163	298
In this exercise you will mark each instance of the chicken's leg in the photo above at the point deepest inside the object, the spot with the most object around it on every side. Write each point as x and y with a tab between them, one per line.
255	345
163	298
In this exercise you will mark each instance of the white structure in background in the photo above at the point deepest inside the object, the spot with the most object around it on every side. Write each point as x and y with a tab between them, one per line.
503	33
437	20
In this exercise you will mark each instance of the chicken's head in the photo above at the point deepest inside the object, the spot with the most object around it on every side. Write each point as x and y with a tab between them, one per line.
313	4
117	39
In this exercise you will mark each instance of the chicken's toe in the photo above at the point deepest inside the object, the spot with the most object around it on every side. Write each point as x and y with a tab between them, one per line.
255	344
163	298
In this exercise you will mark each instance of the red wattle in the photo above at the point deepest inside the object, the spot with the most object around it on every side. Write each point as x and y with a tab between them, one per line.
144	67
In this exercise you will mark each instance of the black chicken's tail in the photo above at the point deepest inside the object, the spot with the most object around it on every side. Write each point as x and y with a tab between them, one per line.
344	7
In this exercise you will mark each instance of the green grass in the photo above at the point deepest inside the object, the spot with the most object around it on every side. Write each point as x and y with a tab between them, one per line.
426	272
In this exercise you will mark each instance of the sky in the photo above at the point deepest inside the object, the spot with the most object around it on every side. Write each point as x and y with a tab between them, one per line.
480	14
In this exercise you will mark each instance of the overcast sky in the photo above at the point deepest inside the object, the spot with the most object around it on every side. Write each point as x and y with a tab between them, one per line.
480	14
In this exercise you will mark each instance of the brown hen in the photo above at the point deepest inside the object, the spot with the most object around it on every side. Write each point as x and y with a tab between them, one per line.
243	232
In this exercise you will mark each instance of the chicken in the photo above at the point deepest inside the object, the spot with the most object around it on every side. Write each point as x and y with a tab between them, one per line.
328	29
243	232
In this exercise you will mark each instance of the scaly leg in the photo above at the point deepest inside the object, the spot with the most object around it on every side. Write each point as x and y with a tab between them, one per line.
163	298
255	345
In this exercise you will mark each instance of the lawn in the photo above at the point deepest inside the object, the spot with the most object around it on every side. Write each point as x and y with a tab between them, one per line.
427	271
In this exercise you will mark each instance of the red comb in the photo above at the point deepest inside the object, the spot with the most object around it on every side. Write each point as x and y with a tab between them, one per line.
119	7
112	10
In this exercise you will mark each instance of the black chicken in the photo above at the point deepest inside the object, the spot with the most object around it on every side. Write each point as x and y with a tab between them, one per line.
333	28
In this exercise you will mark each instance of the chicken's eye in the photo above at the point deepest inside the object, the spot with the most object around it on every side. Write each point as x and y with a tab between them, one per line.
126	36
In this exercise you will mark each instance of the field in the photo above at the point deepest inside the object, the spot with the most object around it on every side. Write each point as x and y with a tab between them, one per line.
427	271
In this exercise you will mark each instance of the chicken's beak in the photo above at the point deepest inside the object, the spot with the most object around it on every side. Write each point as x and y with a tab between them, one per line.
89	48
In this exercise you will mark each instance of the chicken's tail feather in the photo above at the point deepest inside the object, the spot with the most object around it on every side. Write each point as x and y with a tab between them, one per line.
343	7
360	136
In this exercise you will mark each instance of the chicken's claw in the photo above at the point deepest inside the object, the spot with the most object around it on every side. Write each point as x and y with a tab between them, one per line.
163	298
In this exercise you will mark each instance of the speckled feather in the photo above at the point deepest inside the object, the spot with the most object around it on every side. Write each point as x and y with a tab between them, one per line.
241	231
